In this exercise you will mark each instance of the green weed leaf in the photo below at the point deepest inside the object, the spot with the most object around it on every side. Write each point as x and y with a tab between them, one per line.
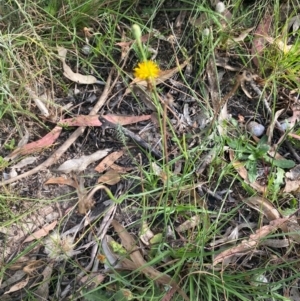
284	163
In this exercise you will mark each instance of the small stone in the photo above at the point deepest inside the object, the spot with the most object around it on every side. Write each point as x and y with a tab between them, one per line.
255	128
86	49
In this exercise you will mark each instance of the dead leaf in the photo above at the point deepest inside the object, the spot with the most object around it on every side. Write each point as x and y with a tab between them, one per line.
93	120
24	162
292	181
32	266
191	223
68	73
259	40
43	288
125	120
37	146
293	229
223	116
39	101
17	286
121	169
41	232
146	234
83	162
264	206
233	40
135	255
111	177
108	161
272	126
245	246
294	173
62	181
81	120
291	186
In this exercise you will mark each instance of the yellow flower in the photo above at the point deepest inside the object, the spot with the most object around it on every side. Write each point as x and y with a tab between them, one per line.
146	70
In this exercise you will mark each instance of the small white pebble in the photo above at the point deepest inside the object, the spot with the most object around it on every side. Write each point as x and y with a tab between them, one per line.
255	128
220	7
86	49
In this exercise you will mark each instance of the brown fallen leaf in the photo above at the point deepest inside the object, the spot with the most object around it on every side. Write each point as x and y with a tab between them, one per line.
259	40
80	164
111	177
264	206
130	245
125	120
245	246
62	181
38	145
41	232
108	161
121	169
73	76
291	186
43	288
17	286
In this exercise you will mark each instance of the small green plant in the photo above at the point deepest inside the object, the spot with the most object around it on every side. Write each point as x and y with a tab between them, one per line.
252	155
10	145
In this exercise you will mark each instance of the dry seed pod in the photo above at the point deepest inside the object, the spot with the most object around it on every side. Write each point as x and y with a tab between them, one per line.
255	128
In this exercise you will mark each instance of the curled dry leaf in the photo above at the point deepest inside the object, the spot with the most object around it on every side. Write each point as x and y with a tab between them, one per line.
263	206
17	286
146	234
75	77
245	246
41	232
83	162
108	161
36	146
39	101
231	42
62	181
193	222
111	177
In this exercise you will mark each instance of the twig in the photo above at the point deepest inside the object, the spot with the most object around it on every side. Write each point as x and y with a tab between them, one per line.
63	148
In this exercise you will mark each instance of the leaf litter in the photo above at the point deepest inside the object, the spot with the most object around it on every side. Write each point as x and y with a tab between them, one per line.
80	169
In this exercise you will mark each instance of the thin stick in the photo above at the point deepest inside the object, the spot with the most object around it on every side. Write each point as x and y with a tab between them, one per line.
63	148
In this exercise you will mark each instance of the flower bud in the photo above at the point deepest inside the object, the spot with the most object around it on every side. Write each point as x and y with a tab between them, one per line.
136	29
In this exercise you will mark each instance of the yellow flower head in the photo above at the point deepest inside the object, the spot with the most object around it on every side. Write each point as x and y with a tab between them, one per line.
146	70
